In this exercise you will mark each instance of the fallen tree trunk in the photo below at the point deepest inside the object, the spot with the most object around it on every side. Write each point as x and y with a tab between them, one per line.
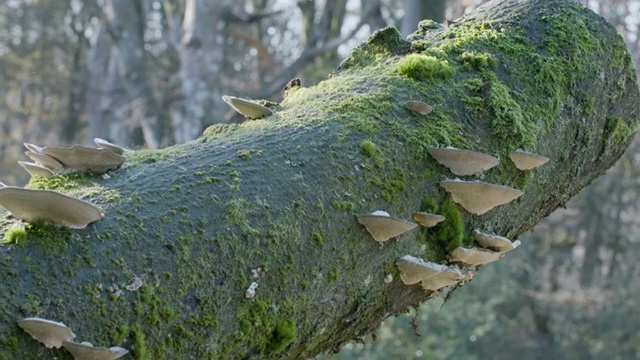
274	201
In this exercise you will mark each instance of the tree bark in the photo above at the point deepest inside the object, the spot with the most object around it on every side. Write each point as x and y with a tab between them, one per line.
273	201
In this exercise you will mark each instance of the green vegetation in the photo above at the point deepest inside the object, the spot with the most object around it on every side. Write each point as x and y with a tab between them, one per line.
284	334
368	148
15	235
448	234
424	67
472	60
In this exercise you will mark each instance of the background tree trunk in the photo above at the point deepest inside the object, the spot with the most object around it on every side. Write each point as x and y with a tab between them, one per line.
200	47
273	201
416	10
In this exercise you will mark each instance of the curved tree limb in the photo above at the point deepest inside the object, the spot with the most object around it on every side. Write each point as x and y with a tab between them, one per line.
188	229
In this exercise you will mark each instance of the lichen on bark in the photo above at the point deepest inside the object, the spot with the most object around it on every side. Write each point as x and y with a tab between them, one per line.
278	197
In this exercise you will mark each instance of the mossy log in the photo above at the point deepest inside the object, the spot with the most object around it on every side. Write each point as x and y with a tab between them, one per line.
274	201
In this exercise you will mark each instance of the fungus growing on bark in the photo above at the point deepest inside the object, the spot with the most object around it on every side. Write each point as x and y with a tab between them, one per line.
60	209
474	256
251	290
33	148
51	333
463	162
499	243
102	143
84	158
388	278
478	197
35	169
86	351
248	108
451	276
44	160
413	269
527	161
419	107
427	219
383	227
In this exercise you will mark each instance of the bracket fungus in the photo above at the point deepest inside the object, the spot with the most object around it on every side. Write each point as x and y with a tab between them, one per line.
102	143
451	276
84	158
499	243
248	108
383	227
427	219
60	209
474	256
413	269
51	333
34	148
251	290
86	351
419	107
463	162
526	161
478	197
44	160
36	169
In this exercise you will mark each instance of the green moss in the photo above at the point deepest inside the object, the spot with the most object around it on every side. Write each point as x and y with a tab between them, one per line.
16	235
244	154
472	60
368	148
284	333
510	124
429	205
236	214
317	239
380	44
615	131
424	68
343	205
138	346
120	335
334	274
448	234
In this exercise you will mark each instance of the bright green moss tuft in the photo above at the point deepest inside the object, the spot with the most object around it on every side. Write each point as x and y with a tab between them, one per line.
317	239
368	148
509	123
15	235
616	131
138	347
472	60
284	333
448	234
424	68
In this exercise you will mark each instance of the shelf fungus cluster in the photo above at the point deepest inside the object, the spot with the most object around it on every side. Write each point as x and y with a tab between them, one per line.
60	209
430	275
527	161
249	108
492	248
383	227
55	334
51	160
478	197
463	162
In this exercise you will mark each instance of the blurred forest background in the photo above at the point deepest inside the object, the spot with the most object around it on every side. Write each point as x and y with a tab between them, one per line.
150	73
